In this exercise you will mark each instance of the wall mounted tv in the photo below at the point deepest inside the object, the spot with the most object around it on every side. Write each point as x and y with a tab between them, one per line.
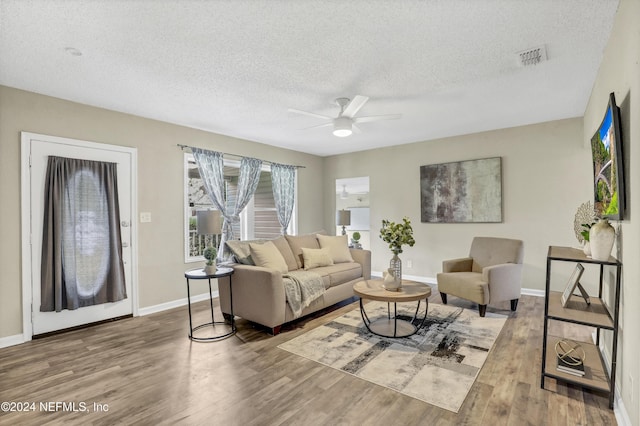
608	165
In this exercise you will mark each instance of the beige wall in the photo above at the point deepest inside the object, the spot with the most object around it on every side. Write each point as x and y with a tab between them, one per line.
160	187
546	176
620	73
545	168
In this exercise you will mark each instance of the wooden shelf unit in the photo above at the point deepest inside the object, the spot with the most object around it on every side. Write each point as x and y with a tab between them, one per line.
577	311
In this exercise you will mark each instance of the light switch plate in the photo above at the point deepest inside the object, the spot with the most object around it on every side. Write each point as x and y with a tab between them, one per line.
145	217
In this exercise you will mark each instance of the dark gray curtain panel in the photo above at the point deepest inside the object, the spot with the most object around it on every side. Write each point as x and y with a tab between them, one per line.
82	244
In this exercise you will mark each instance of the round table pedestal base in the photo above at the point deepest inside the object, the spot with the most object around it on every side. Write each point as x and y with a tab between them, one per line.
231	330
385	327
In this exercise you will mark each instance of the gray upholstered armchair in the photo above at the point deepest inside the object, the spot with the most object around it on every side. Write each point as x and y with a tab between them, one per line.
492	273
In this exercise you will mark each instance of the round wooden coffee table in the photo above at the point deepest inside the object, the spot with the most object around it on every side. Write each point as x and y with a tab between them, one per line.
392	326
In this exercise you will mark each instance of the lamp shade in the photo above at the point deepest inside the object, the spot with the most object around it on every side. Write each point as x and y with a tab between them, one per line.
209	222
343	217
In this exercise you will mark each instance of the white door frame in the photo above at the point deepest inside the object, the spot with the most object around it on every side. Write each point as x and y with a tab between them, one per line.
25	199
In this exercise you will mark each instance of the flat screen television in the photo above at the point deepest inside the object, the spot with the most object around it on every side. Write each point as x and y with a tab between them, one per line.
608	165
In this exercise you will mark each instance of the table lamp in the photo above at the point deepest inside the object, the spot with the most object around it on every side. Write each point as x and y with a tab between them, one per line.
209	223
343	218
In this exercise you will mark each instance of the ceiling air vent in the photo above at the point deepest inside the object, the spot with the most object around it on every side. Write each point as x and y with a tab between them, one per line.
532	56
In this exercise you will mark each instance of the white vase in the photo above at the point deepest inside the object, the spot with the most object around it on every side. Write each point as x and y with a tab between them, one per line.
586	248
601	238
390	282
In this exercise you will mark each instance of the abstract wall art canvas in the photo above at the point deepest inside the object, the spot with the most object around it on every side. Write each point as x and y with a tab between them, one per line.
463	191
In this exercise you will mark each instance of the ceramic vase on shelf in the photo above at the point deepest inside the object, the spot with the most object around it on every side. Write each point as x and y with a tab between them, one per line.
601	238
586	248
395	265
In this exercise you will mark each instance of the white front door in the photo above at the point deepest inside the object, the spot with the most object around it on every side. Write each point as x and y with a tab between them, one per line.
39	148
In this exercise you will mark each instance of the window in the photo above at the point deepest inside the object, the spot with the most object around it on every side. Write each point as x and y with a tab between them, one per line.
258	220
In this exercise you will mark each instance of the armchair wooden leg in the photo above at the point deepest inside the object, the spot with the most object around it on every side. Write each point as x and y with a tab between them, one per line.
227	317
482	309
514	304
444	298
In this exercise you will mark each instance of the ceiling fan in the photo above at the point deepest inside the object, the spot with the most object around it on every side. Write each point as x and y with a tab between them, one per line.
345	123
344	194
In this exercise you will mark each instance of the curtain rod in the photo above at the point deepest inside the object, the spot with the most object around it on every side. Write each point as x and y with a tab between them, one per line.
241	156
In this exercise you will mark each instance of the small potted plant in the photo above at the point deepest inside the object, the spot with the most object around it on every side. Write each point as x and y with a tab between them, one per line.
210	254
355	240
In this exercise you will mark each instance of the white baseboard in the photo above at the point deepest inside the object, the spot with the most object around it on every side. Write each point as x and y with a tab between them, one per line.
17	339
620	411
532	292
433	283
174	304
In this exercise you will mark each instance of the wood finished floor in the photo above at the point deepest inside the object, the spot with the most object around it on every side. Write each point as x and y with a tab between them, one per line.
148	372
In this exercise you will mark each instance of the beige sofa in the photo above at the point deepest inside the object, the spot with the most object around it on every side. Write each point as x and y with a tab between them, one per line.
258	289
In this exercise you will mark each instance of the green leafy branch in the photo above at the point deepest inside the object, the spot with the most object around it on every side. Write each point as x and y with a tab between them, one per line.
397	234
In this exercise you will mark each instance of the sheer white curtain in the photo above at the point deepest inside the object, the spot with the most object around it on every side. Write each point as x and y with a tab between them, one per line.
283	181
211	167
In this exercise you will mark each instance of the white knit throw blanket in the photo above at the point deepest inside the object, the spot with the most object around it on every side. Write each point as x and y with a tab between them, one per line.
301	288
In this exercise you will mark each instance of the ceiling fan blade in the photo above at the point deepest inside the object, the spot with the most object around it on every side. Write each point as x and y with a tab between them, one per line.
319	125
377	118
354	106
310	114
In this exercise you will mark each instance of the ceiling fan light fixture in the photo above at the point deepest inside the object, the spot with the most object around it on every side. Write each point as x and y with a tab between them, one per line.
344	194
342	127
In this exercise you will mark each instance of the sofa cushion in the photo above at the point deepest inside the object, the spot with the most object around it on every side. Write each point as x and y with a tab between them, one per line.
285	250
267	255
468	285
314	258
297	242
241	250
338	247
339	273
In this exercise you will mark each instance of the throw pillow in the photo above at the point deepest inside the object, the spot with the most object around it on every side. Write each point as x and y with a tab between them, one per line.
285	250
297	242
338	247
314	258
267	255
241	250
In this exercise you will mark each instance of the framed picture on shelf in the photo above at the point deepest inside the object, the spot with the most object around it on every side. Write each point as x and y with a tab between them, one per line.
573	282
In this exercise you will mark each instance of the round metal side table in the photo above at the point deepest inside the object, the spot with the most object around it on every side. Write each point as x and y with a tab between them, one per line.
199	274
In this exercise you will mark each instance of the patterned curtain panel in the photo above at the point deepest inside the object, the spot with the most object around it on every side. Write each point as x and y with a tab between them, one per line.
82	245
247	183
211	167
283	181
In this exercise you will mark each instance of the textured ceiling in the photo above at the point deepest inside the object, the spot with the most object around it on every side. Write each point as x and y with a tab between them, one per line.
234	67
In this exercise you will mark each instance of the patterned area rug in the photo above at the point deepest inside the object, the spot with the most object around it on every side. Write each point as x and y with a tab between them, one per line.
438	365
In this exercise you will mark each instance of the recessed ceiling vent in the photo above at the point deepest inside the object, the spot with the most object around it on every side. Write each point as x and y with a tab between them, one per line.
533	56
